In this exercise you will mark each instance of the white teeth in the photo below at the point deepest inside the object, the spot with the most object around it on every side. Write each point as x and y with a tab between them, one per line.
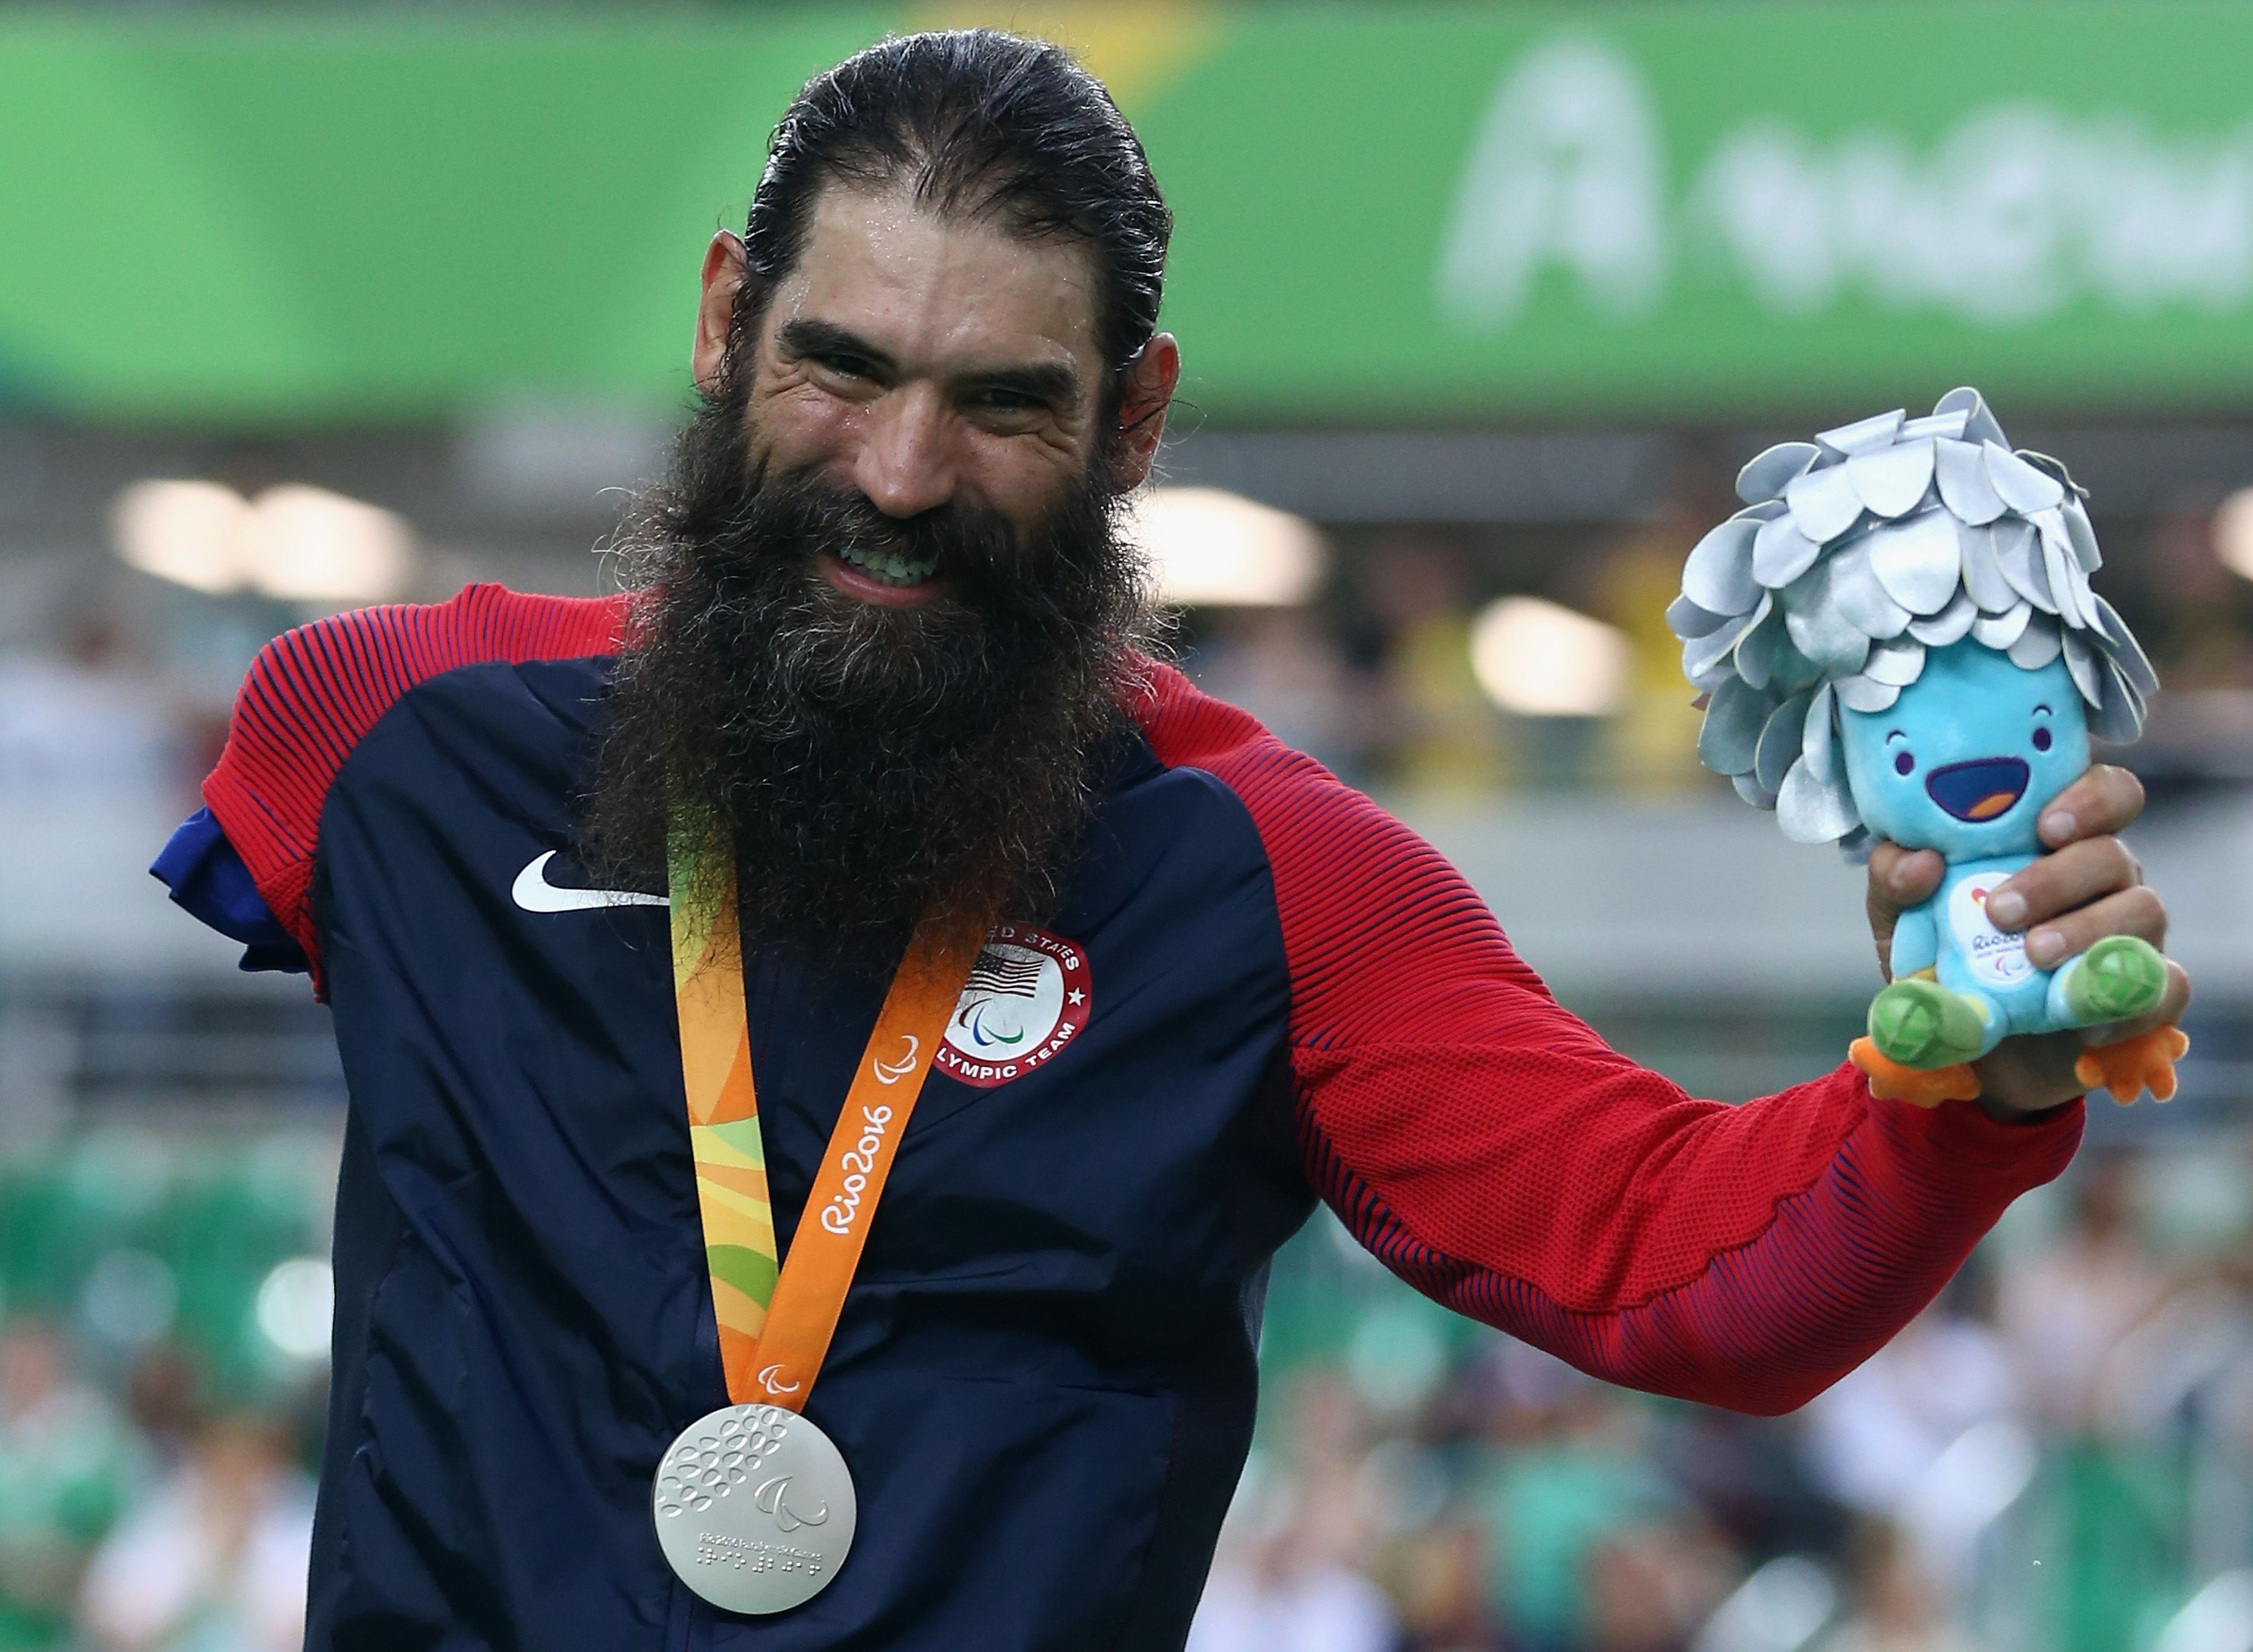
887	569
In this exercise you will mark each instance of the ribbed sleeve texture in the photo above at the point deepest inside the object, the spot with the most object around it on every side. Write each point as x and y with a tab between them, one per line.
313	693
1500	1157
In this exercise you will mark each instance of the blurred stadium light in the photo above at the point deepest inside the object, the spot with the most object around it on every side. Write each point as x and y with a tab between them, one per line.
2219	1618
1782	1608
1212	548
1541	659
130	1297
190	533
294	543
295	1303
2233	533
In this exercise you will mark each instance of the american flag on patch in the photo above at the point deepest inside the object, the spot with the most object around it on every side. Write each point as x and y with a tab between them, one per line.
999	972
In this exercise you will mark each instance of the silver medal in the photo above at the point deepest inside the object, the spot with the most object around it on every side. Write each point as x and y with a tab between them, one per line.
754	1509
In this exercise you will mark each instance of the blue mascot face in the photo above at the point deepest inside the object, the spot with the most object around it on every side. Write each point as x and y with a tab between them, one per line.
1965	759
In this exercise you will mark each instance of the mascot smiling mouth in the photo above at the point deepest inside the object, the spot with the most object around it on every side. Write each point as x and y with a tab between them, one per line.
1979	790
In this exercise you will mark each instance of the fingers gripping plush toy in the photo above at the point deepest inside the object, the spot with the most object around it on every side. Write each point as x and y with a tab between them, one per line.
1897	638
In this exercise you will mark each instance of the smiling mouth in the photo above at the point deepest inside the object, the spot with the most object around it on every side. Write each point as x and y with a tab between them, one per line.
899	572
1979	790
887	581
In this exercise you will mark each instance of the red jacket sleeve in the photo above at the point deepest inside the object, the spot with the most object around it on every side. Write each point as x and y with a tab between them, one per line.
312	693
1499	1156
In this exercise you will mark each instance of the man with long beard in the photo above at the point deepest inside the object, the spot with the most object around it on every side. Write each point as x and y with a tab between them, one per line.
1022	1000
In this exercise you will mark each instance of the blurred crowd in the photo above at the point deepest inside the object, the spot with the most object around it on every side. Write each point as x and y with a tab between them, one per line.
1378	681
1375	678
2053	1457
141	1510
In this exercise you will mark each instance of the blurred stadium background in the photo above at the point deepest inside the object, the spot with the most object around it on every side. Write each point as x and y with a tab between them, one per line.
305	306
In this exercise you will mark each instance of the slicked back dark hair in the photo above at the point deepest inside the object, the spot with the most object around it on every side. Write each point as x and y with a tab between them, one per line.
979	124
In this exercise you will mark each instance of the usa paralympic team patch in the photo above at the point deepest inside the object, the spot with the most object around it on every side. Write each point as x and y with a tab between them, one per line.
1027	998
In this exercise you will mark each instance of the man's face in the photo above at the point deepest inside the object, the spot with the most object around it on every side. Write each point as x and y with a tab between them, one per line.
887	618
922	362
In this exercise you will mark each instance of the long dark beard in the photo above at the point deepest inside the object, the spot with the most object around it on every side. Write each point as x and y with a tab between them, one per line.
870	763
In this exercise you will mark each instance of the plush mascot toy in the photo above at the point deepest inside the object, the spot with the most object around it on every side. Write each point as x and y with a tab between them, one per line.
1897	638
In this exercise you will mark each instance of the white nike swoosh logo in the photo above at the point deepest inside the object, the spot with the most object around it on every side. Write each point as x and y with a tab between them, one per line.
534	893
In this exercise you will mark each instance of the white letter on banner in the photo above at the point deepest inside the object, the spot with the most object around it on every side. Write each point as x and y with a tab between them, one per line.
1566	170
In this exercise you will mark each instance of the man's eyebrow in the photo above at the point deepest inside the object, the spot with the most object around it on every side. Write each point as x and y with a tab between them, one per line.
804	337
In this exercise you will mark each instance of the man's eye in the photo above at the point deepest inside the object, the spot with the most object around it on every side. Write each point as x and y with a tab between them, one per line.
1008	401
847	366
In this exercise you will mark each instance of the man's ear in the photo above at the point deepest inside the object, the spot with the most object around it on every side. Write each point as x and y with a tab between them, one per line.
715	311
1145	394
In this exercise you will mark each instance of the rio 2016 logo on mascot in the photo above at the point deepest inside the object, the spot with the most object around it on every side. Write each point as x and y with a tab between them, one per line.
1897	638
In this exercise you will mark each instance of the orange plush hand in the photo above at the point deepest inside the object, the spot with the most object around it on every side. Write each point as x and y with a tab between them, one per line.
1890	1081
2133	1065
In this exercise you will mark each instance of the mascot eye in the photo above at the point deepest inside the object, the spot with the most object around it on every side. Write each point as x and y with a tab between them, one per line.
2041	740
1903	763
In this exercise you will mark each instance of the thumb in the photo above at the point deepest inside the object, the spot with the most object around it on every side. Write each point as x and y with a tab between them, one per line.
1899	879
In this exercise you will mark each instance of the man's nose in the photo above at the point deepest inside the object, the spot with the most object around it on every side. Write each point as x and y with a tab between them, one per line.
906	465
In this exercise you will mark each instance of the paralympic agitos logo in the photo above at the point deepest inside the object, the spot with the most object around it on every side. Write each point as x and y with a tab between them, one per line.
1027	998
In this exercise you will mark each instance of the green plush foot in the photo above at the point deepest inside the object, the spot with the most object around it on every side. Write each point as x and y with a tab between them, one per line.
1922	1024
2118	979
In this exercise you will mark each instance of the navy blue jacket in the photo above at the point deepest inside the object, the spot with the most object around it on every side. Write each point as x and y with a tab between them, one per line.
1044	1378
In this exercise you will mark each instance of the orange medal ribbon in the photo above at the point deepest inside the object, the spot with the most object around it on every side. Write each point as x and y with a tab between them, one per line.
826	1252
775	1331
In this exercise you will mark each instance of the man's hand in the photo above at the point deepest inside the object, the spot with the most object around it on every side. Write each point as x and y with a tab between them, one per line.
2087	887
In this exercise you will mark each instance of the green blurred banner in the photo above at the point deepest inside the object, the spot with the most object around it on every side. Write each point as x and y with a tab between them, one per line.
1415	212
